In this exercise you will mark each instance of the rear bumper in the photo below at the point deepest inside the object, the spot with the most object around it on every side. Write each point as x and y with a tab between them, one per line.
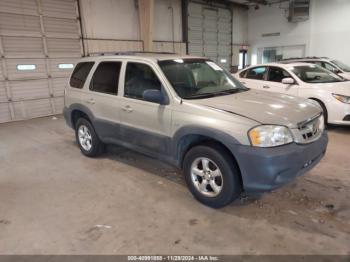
265	169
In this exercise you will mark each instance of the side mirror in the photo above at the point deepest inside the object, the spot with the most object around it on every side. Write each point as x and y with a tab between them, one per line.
337	71
288	81
154	96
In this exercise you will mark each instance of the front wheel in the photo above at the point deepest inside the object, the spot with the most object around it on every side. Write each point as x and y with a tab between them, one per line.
212	176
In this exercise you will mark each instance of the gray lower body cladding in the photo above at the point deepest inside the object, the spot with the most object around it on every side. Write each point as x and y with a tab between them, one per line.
265	169
262	169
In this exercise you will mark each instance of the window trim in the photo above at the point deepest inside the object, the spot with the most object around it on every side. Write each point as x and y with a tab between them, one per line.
118	82
158	75
87	79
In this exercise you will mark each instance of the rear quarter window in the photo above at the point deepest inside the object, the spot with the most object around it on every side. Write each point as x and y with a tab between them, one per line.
242	74
80	73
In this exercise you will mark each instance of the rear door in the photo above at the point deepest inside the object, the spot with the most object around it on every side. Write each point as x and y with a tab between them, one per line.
102	99
274	83
255	77
145	125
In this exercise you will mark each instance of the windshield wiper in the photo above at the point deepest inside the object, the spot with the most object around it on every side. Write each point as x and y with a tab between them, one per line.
204	95
220	93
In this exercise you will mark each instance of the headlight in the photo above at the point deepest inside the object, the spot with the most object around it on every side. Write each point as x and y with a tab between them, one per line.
270	136
343	99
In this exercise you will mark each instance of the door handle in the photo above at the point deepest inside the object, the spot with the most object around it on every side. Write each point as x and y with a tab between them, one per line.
266	86
91	101
127	108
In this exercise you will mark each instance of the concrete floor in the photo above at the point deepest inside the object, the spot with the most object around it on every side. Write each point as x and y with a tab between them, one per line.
53	200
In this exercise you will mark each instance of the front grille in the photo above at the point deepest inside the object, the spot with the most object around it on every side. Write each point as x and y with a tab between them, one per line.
310	130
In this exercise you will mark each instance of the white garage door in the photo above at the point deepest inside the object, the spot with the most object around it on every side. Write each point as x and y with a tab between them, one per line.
39	44
210	32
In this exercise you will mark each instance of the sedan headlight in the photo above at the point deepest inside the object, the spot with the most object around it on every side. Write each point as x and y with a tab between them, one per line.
270	136
341	98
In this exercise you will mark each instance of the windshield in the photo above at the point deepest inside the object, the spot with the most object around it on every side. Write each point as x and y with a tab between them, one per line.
315	74
341	65
199	78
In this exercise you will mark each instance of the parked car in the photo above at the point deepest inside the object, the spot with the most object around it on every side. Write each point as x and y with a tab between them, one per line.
193	114
332	65
305	80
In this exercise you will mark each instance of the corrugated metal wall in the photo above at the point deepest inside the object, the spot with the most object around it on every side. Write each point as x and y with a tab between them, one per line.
210	32
101	45
39	42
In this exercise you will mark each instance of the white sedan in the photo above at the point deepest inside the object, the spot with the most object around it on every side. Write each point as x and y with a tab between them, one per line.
311	81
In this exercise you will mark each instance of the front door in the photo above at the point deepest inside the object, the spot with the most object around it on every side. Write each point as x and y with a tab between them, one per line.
145	125
274	81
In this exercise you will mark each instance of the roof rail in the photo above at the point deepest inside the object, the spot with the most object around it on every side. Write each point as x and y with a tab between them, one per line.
128	53
306	57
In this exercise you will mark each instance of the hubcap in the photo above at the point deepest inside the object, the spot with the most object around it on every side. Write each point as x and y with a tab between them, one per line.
206	177
84	136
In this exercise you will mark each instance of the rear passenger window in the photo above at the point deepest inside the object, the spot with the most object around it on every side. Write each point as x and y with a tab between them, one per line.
80	74
276	74
106	77
256	73
138	78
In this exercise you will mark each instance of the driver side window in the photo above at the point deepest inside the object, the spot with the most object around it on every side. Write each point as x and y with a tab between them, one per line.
138	78
277	74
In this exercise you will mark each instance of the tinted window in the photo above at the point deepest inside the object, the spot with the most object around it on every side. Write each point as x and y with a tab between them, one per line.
138	78
80	74
105	79
242	74
276	74
256	73
329	67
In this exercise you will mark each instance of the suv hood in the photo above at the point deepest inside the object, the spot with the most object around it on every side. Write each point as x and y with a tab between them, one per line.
264	107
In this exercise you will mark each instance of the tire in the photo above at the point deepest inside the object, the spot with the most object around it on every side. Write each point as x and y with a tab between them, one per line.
215	192
84	131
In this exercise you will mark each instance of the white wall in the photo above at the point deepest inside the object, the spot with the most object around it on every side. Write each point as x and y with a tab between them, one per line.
326	33
118	19
167	22
330	28
110	19
239	32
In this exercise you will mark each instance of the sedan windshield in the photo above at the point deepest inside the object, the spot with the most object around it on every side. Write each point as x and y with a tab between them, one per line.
315	74
199	78
341	65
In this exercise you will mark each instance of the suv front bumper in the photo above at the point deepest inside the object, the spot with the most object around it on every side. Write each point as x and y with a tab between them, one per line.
265	169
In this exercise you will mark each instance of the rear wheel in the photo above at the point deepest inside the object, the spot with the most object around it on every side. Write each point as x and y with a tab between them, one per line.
212	176
87	139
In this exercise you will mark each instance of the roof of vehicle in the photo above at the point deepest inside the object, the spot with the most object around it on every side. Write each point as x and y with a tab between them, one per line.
154	56
286	65
309	58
